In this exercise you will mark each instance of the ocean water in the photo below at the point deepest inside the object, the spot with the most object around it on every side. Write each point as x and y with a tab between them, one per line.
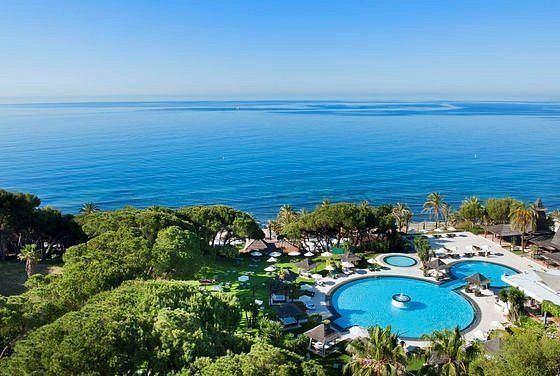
259	155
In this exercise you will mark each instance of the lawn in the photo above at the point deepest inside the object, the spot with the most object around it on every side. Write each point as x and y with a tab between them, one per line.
228	271
12	276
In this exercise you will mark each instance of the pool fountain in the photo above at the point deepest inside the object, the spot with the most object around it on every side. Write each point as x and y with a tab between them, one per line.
400	300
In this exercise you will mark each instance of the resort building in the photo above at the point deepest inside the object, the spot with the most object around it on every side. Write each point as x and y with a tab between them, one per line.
538	285
506	232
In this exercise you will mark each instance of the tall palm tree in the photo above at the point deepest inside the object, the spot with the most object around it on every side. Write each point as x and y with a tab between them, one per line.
448	353
433	205
30	255
89	207
523	219
402	215
285	216
446	212
378	355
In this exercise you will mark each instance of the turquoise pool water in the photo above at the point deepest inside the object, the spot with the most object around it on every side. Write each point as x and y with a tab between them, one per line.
490	270
367	301
401	261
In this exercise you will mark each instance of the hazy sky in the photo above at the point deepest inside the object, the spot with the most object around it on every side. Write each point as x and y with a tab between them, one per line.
286	49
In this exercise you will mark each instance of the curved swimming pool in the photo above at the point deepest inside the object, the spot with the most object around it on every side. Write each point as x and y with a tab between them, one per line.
490	270
368	302
400	261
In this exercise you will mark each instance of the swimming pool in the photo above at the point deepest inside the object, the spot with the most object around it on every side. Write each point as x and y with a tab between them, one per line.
400	261
490	270
368	302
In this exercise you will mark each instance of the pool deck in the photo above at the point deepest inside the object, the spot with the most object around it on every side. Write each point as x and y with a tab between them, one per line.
489	311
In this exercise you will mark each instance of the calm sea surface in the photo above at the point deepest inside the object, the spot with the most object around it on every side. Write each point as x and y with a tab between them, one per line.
259	155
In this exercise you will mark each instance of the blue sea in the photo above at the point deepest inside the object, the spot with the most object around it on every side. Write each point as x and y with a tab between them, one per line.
259	155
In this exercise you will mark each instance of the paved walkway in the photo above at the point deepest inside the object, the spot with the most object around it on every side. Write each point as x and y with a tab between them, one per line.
491	311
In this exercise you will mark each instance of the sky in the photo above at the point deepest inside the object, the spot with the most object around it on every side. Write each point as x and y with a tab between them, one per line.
280	49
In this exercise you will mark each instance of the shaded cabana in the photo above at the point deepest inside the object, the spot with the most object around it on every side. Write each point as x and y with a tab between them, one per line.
291	315
478	280
268	246
322	339
257	245
547	242
436	264
285	246
503	231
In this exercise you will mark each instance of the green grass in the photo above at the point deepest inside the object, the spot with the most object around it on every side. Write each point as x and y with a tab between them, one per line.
12	275
527	322
227	271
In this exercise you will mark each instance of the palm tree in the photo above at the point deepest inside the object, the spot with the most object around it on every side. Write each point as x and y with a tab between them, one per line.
515	300
89	207
378	355
433	205
523	219
424	252
30	255
446	212
285	216
402	215
448	353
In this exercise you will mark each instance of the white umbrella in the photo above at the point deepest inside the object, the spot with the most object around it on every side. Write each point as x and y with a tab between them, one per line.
371	261
330	268
275	254
243	278
270	269
346	264
258	302
256	254
304	298
294	253
326	254
358	331
306	287
309	254
316	276
272	259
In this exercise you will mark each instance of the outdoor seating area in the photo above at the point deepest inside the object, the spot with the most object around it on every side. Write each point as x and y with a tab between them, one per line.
323	340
